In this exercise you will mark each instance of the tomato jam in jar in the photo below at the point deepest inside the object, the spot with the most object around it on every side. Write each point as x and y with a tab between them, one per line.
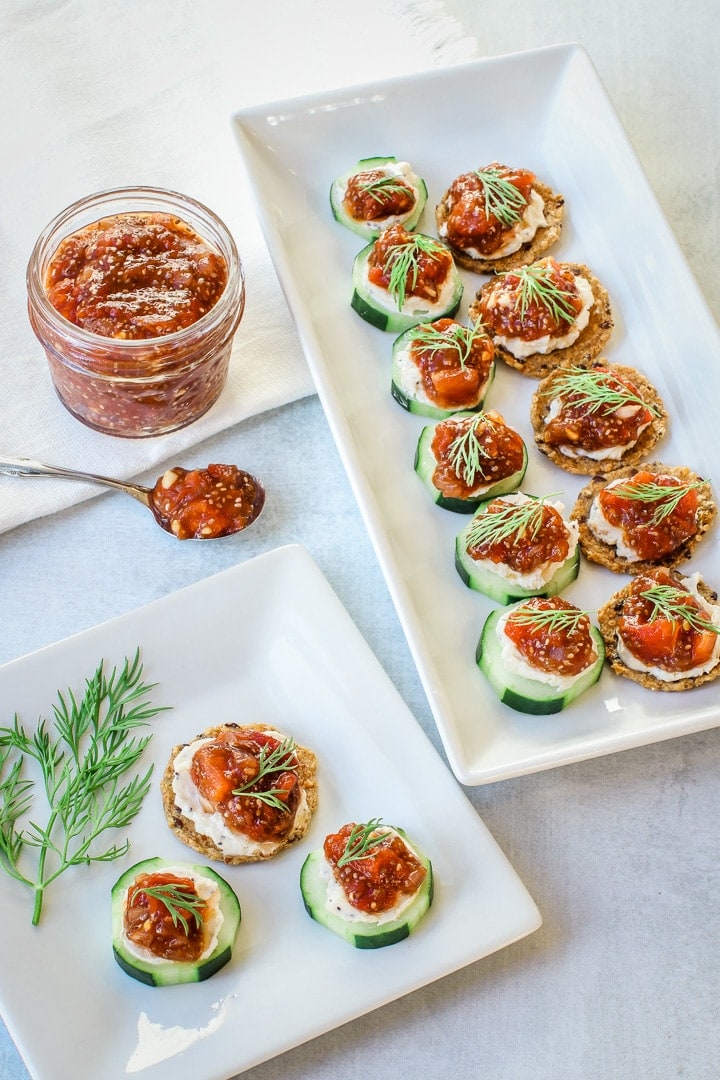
135	294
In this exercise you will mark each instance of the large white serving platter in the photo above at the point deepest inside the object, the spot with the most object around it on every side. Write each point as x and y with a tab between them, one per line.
267	641
545	110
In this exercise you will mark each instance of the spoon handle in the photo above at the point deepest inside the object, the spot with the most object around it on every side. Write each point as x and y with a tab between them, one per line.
27	467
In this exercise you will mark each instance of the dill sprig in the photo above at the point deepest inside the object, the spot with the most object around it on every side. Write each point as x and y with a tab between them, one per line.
593	389
502	199
362	842
180	900
82	758
536	285
402	262
466	452
677	606
455	337
549	618
278	760
383	188
515	520
667	497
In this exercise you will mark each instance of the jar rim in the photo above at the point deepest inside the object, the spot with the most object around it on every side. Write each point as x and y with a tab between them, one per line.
234	287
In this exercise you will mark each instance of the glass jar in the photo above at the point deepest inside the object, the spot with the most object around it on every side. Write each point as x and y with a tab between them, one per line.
137	387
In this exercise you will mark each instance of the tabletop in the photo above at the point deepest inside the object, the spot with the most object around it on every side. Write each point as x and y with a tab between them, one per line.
620	853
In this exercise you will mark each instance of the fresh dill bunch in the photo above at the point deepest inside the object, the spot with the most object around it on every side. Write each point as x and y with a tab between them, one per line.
667	497
502	199
402	263
83	757
179	900
362	841
278	760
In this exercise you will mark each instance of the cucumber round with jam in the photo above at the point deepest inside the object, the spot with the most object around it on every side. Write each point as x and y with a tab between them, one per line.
524	694
361	934
380	308
502	591
426	463
391	168
412	397
156	971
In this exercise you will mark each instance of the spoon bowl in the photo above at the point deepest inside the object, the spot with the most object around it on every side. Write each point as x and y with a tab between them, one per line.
207	504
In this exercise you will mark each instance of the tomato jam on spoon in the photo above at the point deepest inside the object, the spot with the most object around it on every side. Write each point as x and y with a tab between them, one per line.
205	504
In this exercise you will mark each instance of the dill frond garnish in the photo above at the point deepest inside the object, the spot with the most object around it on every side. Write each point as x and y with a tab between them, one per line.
515	520
179	900
537	285
502	199
466	452
402	263
362	841
677	606
383	188
667	498
270	762
456	337
593	389
550	618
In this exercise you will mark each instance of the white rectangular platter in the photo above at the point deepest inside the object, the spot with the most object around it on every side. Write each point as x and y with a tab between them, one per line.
545	110
267	641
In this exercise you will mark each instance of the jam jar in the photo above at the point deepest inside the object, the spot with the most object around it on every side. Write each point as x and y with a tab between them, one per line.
135	295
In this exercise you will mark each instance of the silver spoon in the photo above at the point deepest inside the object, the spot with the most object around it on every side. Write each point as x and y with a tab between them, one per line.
251	490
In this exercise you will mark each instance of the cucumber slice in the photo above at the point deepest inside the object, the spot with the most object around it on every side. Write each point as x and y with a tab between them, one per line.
363	935
171	972
413	398
527	695
382	310
497	587
426	463
371	229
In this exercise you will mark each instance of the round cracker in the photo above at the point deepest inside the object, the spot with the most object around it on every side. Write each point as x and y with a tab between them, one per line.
544	238
185	829
589	343
585	466
598	551
608	621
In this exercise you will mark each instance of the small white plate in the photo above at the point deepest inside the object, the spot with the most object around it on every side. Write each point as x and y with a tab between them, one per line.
265	641
544	110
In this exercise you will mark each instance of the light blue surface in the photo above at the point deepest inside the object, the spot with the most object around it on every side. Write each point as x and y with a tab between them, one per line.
620	853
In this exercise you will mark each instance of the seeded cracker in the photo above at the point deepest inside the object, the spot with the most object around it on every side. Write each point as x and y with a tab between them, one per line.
585	466
597	551
543	239
185	829
585	348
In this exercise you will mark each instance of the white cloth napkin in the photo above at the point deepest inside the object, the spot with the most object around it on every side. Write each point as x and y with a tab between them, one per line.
97	96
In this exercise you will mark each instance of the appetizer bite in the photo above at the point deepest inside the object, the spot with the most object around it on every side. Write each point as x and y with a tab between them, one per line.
376	193
518	546
368	884
663	631
405	278
540	655
468	458
545	314
240	794
498	218
596	418
173	923
639	517
441	367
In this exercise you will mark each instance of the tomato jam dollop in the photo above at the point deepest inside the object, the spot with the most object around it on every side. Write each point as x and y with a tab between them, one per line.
373	195
148	921
544	539
204	504
471	222
591	425
674	636
407	264
474	452
232	774
562	646
651	526
509	309
454	362
135	276
380	880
